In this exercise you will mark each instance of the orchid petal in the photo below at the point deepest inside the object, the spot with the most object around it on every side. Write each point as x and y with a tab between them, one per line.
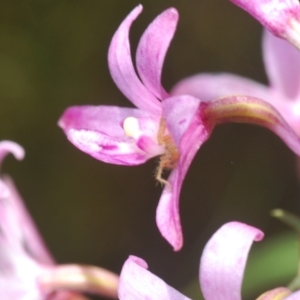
28	231
137	283
98	131
149	60
182	115
282	63
11	147
224	259
208	86
19	270
122	70
294	296
15	220
107	149
273	14
247	109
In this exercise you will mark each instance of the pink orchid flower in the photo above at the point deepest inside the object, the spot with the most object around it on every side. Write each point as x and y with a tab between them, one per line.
26	266
281	17
221	271
172	126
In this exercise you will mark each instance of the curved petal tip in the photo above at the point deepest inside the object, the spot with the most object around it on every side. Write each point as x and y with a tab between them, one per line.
224	259
11	147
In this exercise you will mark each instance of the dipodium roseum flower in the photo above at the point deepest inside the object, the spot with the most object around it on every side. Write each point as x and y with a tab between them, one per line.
281	17
221	270
172	126
27	270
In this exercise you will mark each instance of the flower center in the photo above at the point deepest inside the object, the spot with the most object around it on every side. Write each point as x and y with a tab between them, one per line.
169	159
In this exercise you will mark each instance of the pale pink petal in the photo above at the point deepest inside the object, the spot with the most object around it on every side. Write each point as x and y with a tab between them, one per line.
137	283
152	48
122	70
98	131
294	296
11	147
4	190
224	259
31	238
19	270
184	123
15	222
282	64
208	86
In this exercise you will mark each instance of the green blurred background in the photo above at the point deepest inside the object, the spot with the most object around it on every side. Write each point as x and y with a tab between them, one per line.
53	55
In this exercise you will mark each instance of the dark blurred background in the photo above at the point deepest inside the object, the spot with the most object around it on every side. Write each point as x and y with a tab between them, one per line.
53	54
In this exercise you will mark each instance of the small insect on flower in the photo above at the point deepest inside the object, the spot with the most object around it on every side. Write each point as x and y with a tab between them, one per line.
169	160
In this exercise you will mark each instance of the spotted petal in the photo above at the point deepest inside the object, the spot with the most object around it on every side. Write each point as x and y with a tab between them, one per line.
98	131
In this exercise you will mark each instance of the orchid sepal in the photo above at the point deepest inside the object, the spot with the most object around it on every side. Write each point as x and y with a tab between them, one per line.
281	17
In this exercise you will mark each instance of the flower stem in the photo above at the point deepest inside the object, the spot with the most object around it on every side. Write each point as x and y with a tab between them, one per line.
80	278
294	222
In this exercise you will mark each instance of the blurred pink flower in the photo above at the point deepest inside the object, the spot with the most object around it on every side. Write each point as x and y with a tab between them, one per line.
172	126
27	270
281	17
23	255
221	270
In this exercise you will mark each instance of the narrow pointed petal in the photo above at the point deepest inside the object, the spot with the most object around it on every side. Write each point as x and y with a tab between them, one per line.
98	131
122	70
246	109
282	64
137	283
182	115
224	259
149	60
